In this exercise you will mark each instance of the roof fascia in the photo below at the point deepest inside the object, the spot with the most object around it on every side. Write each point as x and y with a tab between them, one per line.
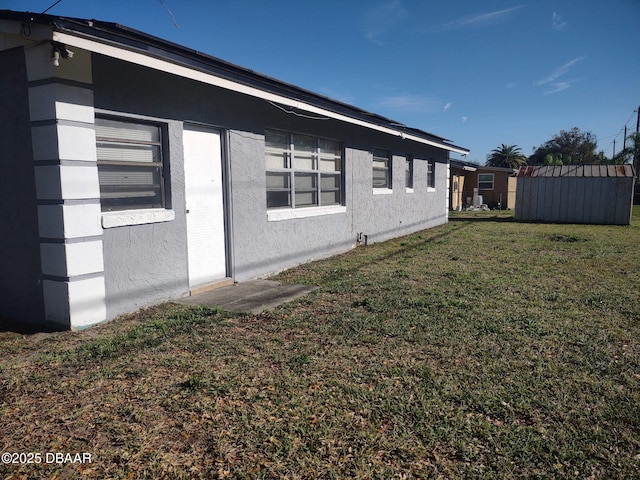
462	165
162	63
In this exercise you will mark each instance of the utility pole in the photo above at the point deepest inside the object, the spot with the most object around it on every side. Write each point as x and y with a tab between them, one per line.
624	140
635	150
636	147
614	150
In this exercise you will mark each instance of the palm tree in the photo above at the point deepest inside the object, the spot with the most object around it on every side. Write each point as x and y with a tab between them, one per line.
507	156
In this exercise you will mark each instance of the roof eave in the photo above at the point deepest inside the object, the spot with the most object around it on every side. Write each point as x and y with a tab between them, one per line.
121	42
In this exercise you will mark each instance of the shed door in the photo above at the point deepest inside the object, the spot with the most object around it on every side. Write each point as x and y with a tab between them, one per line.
204	205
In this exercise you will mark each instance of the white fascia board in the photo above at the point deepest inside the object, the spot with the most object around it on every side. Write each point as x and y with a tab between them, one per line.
204	77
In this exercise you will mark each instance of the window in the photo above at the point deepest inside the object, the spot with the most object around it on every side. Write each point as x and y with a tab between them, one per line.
130	164
381	169
431	178
302	171
409	173
485	181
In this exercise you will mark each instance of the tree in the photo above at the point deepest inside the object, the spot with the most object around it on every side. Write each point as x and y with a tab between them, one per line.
507	156
626	155
552	159
571	147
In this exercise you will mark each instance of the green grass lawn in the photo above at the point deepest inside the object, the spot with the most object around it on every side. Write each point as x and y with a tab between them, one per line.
484	348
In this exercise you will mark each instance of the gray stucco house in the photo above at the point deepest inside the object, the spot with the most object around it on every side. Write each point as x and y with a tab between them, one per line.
136	171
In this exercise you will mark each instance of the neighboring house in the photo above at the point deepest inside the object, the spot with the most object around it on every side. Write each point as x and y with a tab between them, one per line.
137	171
472	185
596	194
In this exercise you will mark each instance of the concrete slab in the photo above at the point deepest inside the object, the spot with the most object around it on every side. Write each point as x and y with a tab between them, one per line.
253	296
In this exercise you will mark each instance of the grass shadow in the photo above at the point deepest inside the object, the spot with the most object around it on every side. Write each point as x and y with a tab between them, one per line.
482	218
25	328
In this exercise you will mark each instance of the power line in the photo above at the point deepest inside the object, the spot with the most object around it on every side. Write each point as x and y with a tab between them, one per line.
175	24
626	124
56	3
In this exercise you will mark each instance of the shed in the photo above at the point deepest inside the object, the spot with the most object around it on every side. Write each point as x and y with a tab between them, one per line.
594	194
143	171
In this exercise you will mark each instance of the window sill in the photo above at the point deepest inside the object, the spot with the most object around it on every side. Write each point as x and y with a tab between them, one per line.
291	213
408	190
431	189
382	191
124	218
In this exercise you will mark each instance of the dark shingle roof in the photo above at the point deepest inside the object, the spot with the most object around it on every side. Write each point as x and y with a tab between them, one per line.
132	39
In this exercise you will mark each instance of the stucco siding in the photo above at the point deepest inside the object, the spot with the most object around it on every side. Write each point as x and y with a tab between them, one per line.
145	264
20	270
261	246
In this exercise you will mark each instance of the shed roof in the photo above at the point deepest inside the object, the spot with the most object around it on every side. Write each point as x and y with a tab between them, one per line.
577	171
90	33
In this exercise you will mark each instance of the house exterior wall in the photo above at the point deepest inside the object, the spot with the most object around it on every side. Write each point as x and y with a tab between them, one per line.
68	264
152	258
503	191
67	191
499	193
147	264
20	271
592	200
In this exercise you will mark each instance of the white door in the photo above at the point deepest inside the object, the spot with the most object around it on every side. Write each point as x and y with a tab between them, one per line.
204	205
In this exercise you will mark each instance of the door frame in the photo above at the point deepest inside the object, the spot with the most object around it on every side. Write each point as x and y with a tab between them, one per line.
226	196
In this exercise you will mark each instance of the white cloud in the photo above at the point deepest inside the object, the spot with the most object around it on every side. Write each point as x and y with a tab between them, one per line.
447	106
464	119
409	103
558	87
479	20
383	19
556	22
560	71
339	94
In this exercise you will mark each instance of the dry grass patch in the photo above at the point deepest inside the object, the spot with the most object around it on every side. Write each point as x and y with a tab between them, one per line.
481	349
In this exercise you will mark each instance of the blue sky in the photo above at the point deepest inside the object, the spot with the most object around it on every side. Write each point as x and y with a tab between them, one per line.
480	73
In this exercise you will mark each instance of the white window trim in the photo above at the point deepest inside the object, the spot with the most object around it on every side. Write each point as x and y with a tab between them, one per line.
431	189
408	190
305	212
382	191
122	218
493	182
